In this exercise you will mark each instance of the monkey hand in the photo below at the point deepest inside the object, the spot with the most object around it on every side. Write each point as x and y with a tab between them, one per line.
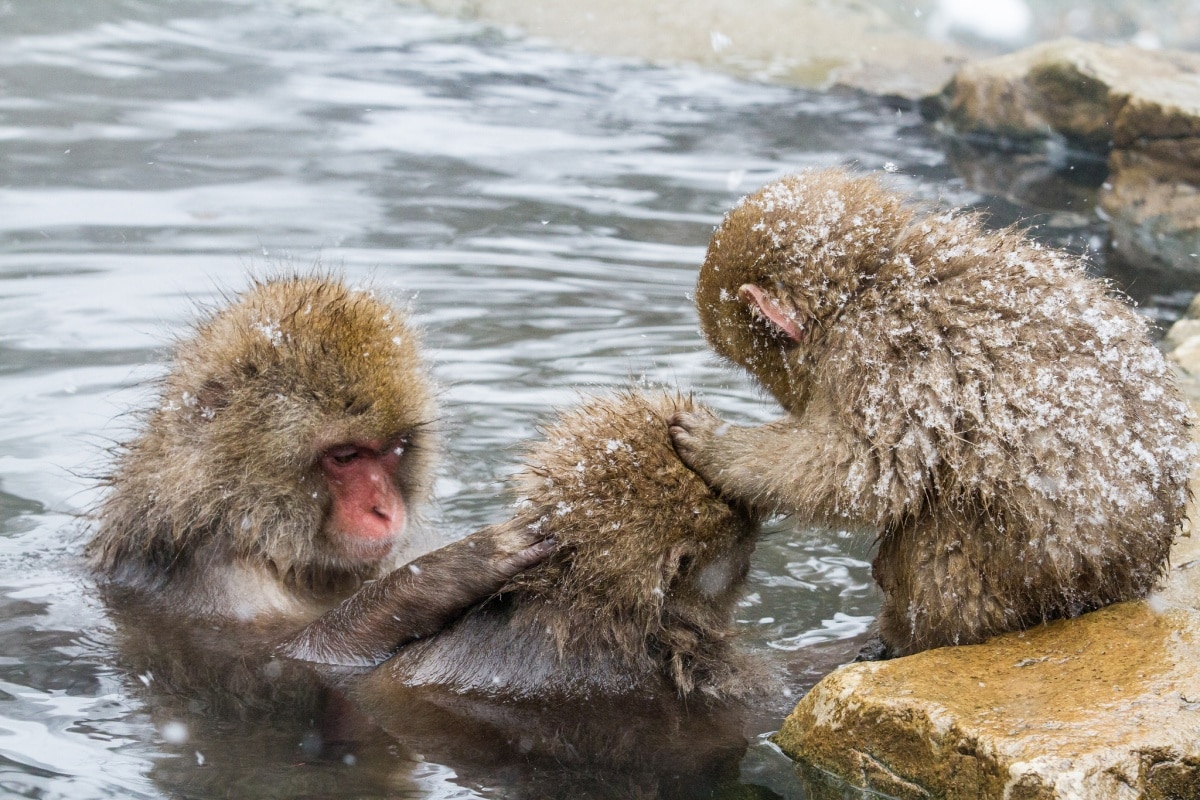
503	551
693	433
419	598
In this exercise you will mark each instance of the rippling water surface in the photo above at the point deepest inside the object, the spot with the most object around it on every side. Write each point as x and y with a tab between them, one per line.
543	213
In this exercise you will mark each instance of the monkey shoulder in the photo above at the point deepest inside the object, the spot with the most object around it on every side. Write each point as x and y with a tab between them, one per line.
239	592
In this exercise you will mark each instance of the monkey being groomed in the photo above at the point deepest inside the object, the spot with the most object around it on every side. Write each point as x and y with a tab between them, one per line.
1005	425
639	593
292	438
612	668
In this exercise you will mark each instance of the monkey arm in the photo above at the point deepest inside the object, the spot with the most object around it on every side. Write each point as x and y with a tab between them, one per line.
812	466
419	598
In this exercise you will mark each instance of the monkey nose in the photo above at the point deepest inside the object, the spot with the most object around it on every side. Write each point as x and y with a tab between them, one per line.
389	512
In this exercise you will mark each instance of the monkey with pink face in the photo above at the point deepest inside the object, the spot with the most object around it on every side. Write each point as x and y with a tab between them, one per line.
1001	421
270	487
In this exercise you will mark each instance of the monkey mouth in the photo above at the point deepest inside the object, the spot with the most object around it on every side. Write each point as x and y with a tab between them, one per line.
358	548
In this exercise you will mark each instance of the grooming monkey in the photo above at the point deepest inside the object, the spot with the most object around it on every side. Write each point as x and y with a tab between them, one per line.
292	439
1005	425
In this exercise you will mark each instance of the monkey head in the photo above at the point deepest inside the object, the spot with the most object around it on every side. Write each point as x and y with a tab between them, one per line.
782	265
295	426
646	551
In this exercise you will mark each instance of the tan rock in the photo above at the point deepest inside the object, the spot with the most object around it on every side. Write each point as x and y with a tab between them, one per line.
1182	343
1153	204
1094	95
1141	107
1106	705
1185	333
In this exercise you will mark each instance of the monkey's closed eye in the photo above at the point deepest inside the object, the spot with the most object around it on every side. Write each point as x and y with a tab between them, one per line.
344	455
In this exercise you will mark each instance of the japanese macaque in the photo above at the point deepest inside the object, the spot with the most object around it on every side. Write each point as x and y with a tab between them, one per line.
638	596
1005	425
292	440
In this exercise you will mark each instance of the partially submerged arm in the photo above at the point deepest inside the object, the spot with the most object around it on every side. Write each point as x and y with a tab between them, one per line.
419	598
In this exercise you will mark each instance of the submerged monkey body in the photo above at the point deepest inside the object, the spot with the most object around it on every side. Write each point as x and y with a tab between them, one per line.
1005	424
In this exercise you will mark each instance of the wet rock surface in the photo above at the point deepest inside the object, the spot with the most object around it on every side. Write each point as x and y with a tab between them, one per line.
1140	108
1106	705
1153	205
1097	97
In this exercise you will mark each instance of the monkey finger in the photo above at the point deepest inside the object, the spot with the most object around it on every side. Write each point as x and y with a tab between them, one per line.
688	431
698	421
530	556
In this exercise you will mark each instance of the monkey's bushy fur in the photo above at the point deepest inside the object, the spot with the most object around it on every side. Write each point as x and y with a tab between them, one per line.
224	467
1004	422
640	592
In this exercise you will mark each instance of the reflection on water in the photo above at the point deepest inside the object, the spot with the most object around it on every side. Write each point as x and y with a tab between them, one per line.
543	213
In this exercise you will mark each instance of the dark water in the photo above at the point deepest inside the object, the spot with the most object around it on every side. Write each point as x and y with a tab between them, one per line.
543	213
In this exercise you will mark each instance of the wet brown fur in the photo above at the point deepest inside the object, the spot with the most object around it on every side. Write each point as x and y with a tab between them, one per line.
223	470
1003	422
640	592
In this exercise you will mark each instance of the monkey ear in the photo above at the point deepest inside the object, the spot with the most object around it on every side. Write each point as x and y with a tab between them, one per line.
770	309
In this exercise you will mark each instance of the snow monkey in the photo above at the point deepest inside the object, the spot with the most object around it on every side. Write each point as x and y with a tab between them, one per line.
1004	423
291	440
639	594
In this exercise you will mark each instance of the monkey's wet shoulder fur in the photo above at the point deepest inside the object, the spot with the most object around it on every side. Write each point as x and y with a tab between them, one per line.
640	592
1001	419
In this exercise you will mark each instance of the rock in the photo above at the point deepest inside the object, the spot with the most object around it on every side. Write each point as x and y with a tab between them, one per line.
1106	705
1153	207
1186	327
1183	344
1186	336
1140	108
1102	706
1093	95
